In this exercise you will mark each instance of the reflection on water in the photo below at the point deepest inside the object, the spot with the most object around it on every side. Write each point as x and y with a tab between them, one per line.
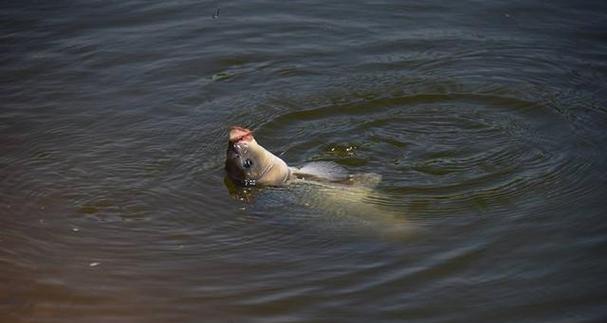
485	120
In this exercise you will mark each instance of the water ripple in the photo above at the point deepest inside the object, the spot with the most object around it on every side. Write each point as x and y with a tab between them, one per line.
448	152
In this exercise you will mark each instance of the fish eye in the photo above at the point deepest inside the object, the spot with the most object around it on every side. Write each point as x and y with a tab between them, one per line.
247	163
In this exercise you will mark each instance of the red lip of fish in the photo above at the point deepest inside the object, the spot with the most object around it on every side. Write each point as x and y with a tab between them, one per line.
238	134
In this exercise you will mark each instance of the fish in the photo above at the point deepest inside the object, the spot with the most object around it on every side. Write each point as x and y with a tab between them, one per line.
250	164
321	185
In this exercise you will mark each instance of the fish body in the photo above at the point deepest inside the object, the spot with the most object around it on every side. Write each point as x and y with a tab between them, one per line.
320	185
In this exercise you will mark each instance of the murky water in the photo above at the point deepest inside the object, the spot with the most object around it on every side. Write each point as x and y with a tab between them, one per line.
487	121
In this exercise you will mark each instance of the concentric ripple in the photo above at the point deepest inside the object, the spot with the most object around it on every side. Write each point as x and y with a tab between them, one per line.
486	120
444	153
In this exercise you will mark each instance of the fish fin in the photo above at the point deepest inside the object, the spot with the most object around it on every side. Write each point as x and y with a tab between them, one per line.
326	170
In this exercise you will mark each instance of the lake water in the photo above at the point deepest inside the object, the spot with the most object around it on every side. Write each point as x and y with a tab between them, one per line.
486	119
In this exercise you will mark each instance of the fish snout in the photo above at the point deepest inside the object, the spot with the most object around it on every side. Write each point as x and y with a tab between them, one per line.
238	134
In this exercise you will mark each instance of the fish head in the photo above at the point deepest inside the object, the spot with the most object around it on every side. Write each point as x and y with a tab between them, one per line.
245	159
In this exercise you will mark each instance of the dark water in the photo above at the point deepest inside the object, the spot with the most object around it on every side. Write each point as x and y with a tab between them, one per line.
487	120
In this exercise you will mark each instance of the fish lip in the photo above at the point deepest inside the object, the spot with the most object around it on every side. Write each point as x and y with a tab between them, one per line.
238	134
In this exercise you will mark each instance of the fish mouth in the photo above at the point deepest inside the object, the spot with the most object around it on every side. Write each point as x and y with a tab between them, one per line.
238	134
237	148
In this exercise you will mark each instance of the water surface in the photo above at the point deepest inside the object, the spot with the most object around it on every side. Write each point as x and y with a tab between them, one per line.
486	120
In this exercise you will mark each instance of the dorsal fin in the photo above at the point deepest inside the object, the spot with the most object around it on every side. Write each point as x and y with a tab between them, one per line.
331	172
326	170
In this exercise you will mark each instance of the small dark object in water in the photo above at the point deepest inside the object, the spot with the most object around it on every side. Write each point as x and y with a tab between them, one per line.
216	14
